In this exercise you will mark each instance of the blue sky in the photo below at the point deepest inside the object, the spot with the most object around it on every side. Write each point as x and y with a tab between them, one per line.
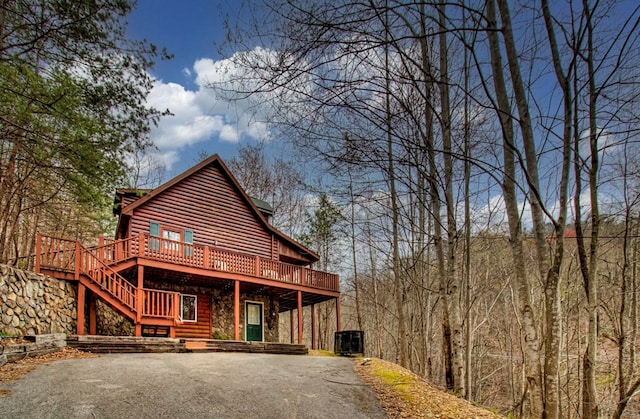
190	29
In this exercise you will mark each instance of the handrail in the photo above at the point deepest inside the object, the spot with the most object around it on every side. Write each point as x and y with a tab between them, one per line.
55	253
108	279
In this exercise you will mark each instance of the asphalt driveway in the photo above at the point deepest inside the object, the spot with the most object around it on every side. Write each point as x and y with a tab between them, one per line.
193	385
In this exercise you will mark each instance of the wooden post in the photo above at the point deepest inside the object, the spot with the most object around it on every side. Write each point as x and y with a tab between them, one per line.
236	311
37	261
102	254
257	266
76	271
206	257
313	326
141	249
299	317
291	324
139	300
338	324
80	322
93	326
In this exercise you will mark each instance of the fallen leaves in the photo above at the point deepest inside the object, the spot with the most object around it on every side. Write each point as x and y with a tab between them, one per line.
403	394
14	370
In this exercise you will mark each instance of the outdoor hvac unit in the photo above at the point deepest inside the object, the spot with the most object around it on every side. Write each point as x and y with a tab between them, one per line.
349	342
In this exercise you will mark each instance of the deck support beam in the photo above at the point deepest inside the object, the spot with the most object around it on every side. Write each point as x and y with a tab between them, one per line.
236	310
81	300
313	326
300	318
338	323
291	330
93	324
139	300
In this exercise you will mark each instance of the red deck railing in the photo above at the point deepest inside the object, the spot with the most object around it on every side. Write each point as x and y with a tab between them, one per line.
215	259
59	254
160	303
70	256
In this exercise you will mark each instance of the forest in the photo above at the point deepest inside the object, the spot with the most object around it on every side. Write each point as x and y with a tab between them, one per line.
476	184
470	168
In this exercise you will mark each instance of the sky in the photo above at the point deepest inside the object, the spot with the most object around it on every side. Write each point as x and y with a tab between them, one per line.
190	30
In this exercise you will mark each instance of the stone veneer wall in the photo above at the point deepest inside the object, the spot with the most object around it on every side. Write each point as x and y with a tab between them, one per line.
222	308
32	304
111	323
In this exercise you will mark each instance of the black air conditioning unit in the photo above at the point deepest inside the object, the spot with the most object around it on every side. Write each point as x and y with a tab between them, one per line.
349	342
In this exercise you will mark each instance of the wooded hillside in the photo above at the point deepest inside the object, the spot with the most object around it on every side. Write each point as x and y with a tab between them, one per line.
483	155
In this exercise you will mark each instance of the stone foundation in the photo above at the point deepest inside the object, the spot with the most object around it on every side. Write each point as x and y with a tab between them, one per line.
33	304
111	323
222	309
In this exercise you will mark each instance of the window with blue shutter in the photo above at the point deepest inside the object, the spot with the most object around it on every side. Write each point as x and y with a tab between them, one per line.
188	243
154	233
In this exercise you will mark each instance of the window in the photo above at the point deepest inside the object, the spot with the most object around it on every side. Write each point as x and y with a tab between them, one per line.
188	241
154	232
188	306
174	236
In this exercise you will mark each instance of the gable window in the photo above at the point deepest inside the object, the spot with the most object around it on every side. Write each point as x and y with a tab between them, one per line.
188	305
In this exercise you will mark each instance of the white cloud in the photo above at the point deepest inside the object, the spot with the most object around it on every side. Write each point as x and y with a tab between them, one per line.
229	133
200	115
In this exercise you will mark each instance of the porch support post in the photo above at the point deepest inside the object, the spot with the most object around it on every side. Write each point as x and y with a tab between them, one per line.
236	310
93	326
139	300
313	326
338	324
37	261
80	315
299	317
291	324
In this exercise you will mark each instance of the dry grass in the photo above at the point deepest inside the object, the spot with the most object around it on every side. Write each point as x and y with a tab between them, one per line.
403	394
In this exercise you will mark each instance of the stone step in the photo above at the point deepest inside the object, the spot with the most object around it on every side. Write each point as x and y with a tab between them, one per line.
132	344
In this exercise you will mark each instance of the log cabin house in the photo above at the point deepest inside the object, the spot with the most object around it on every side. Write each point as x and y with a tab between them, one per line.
193	258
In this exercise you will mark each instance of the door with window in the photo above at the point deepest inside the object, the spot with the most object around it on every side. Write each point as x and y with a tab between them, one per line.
254	320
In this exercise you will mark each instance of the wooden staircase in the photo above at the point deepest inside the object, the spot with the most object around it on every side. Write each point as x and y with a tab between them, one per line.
68	259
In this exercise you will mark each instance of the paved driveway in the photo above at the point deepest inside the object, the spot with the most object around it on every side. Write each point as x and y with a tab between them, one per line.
194	385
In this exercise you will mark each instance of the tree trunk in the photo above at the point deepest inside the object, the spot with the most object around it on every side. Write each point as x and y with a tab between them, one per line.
452	296
530	326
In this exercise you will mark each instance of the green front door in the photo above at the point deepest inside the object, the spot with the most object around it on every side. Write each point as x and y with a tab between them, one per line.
254	322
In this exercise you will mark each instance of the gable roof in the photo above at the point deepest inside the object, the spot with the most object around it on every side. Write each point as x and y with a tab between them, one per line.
128	210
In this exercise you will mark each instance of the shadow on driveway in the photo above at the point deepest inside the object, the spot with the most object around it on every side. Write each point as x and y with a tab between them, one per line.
196	385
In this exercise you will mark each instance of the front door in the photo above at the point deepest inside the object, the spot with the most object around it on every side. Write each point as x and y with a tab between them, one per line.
254	322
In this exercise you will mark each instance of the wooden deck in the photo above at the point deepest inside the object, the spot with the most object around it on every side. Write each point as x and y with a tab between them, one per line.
57	253
100	270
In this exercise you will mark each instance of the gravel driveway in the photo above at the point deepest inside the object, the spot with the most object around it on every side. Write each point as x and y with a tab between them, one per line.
196	385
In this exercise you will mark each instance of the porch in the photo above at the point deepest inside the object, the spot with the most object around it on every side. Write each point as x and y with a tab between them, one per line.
115	272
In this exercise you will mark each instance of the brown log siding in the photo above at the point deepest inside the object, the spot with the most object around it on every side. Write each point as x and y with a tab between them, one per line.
207	204
200	329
